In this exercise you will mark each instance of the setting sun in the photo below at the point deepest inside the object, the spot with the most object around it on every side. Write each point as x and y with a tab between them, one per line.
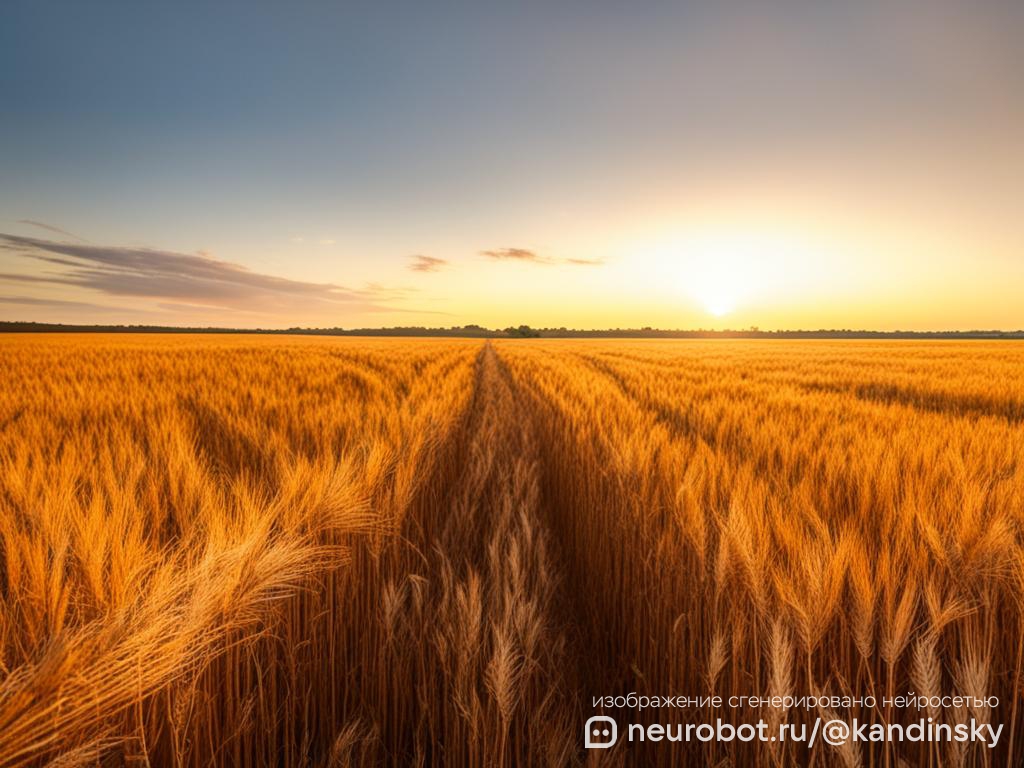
719	271
724	270
716	291
718	302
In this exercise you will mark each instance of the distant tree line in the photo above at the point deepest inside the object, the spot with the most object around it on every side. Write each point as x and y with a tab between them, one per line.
523	332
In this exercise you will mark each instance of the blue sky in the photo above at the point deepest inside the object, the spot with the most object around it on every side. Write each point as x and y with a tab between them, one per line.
640	154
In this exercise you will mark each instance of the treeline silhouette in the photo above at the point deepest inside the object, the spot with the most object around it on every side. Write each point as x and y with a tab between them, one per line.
525	331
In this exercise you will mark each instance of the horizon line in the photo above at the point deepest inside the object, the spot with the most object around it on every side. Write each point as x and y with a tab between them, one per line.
522	331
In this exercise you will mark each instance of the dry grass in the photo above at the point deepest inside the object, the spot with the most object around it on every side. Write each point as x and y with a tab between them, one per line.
276	551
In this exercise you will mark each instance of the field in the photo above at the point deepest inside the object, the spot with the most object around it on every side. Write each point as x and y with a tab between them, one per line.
251	550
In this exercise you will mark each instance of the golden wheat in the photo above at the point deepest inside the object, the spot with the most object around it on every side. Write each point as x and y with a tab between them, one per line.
295	551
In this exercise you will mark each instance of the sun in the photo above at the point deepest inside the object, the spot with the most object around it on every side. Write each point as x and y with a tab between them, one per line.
717	281
729	270
718	302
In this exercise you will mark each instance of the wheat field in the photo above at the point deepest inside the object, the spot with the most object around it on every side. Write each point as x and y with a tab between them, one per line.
272	550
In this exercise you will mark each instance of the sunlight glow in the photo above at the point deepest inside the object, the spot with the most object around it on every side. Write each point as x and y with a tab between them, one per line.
719	303
719	271
730	267
718	278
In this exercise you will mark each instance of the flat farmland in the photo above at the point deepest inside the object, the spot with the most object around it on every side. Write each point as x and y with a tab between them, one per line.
274	550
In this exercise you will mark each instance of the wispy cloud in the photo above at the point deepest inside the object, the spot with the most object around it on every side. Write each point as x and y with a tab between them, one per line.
532	257
51	228
516	254
31	301
427	263
168	276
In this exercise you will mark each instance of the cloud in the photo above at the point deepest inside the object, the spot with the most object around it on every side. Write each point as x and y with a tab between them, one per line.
30	301
16	278
525	254
515	254
51	228
168	276
426	263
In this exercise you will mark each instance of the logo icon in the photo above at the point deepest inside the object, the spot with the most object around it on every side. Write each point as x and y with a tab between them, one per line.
600	732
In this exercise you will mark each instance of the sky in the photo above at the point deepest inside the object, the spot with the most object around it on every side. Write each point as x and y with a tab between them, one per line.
675	165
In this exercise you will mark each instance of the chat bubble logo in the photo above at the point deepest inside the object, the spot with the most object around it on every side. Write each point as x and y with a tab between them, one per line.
600	732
